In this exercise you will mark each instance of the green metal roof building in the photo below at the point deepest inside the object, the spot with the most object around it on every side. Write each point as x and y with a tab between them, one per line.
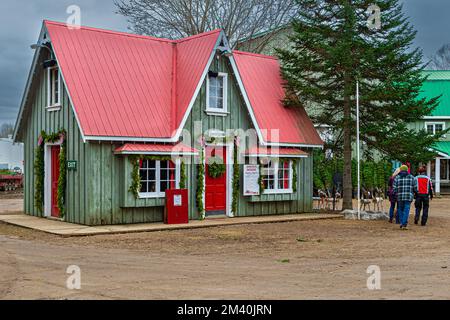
438	83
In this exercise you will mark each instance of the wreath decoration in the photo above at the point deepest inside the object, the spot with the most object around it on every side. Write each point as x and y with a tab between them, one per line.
216	167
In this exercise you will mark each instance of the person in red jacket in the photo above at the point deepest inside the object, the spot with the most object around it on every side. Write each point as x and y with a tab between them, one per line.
424	194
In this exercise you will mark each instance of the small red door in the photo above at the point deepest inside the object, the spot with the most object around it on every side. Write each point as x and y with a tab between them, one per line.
215	188
54	180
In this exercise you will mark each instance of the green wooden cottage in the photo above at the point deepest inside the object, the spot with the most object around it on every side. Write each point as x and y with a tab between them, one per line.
112	120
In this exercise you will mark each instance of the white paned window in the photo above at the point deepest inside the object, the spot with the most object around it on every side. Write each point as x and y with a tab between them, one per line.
54	87
434	127
216	93
277	176
157	177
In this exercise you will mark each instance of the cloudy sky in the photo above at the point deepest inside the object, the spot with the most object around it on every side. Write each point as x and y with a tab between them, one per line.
21	21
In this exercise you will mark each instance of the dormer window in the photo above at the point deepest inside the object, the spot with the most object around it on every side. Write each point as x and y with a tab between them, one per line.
54	89
216	93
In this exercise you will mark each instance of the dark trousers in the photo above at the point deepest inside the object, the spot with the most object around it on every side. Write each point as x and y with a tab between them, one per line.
422	203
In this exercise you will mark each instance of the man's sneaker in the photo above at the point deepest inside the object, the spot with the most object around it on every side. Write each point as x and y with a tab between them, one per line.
416	221
390	220
405	227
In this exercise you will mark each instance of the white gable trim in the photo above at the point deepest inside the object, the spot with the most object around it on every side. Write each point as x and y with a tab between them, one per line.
31	74
199	86
61	72
252	115
246	99
37	53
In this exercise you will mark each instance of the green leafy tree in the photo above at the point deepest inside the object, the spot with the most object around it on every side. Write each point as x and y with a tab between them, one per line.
333	48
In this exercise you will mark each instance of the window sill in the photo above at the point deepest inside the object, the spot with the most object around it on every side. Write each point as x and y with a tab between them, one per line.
278	191
274	197
53	108
152	195
215	112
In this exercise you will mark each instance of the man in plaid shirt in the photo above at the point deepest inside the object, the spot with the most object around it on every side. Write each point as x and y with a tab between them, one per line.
405	185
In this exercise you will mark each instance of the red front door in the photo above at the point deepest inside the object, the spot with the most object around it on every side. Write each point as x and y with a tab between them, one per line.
54	180
216	188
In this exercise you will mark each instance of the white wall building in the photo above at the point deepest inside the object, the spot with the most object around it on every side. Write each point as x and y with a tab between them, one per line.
11	154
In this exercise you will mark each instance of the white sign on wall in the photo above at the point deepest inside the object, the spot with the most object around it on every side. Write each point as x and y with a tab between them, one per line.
251	177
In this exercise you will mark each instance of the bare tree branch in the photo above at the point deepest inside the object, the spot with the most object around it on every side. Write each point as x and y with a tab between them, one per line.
240	19
441	59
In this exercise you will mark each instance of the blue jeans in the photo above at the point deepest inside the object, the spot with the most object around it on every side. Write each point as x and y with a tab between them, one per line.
403	208
391	213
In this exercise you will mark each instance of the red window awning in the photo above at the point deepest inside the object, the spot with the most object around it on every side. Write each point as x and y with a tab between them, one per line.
276	152
156	149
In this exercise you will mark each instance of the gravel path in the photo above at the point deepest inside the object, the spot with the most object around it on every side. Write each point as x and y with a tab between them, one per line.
296	260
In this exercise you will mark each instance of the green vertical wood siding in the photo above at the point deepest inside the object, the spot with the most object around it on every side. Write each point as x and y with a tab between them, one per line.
35	119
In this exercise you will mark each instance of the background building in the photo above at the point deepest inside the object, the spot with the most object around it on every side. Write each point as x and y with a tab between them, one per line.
11	155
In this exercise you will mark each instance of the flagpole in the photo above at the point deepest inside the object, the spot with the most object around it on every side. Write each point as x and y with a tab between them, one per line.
357	150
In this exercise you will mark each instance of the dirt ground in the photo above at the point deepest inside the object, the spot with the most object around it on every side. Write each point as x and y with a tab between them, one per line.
325	259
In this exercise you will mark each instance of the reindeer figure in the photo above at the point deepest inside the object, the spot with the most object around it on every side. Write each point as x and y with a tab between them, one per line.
323	196
329	200
378	200
365	200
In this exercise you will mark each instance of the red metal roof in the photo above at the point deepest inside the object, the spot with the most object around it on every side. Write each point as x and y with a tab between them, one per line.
179	148
122	85
263	151
264	86
129	86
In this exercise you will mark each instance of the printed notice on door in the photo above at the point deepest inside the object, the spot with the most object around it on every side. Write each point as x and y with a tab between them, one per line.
177	200
251	177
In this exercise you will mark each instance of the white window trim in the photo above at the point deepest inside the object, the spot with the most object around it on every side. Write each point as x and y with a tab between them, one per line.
48	178
229	173
276	190
215	111
158	194
55	106
447	164
434	123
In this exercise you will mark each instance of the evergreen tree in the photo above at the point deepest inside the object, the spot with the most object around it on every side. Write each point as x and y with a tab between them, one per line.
333	48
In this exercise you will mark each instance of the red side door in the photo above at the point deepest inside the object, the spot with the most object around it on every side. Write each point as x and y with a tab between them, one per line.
215	188
54	181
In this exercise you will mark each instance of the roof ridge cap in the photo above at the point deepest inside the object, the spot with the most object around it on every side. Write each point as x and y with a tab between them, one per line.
196	36
264	56
120	33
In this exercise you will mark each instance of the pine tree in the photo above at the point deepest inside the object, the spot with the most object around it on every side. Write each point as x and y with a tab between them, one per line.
332	49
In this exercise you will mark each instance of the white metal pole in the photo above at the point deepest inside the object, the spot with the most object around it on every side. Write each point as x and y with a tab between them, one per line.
358	149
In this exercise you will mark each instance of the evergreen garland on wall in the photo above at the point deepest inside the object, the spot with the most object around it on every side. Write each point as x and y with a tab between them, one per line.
135	177
39	171
201	186
294	176
61	194
260	178
183	178
236	176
